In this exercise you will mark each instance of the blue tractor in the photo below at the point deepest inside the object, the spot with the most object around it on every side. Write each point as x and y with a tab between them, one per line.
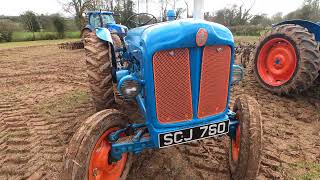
287	60
103	19
179	74
101	25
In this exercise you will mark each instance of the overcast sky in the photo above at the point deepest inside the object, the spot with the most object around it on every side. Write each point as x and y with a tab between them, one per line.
270	7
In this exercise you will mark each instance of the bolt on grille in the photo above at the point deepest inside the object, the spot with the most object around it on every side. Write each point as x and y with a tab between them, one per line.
214	83
172	85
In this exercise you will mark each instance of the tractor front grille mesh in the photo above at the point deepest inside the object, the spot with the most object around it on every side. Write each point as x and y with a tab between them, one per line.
214	81
172	85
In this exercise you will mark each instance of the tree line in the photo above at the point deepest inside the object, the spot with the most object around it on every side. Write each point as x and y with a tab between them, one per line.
242	22
31	22
237	17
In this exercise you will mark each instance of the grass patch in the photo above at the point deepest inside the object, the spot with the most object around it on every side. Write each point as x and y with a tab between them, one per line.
33	43
247	39
72	34
306	171
28	36
63	104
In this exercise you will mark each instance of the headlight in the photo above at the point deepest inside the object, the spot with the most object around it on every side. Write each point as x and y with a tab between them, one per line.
237	74
129	86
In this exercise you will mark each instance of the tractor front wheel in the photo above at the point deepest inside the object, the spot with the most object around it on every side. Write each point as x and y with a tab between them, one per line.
245	146
88	152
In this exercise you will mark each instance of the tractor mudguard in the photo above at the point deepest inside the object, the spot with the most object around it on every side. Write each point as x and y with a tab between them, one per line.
118	29
89	27
104	34
311	26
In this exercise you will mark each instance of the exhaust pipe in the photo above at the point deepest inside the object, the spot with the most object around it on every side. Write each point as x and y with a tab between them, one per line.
198	9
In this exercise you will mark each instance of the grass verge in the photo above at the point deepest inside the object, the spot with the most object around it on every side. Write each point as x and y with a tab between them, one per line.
33	43
305	171
63	104
247	39
28	36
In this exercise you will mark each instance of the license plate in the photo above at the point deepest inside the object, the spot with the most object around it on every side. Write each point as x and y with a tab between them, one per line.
192	134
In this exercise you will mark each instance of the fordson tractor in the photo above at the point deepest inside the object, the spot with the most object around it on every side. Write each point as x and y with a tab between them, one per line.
287	60
179	73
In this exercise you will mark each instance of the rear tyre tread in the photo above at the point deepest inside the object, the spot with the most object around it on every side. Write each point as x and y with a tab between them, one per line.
308	58
99	70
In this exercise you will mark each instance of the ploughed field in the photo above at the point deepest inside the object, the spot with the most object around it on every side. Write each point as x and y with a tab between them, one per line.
44	97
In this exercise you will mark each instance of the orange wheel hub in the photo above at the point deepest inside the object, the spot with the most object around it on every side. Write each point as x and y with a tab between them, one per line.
236	141
99	168
277	62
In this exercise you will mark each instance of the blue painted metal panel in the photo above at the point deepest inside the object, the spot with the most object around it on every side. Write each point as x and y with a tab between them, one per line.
171	15
118	29
195	58
311	26
104	34
144	41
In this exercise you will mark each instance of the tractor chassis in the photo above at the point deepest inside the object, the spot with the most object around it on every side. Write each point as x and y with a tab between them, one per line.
137	139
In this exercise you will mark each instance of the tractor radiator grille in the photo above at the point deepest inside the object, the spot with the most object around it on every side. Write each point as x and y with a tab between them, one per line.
172	85
214	80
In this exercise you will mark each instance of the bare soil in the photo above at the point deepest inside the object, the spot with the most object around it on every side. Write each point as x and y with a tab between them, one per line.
44	97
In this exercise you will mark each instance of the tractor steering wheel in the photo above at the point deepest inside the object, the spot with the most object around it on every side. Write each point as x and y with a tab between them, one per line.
140	19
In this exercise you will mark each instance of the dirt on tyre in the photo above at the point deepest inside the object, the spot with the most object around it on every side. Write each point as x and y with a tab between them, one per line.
99	70
88	152
287	60
246	147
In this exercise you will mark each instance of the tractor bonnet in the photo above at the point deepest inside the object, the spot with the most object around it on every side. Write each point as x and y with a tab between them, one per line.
176	34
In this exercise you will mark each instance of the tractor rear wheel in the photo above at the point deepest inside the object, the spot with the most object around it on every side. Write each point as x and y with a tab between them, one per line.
246	146
287	59
87	156
99	70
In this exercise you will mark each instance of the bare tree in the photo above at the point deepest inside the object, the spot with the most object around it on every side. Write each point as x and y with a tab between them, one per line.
147	6
179	12
187	7
77	7
164	6
30	21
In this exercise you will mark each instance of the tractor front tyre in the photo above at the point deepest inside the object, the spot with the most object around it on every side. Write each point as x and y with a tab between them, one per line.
99	70
287	59
246	146
88	151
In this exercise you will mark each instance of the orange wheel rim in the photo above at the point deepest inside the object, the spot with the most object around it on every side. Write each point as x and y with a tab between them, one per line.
277	62
236	141
99	168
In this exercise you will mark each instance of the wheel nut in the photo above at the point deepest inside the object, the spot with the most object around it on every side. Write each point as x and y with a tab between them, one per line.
95	172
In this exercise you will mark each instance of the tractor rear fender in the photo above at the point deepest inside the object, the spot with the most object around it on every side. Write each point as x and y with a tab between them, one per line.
87	28
104	34
311	26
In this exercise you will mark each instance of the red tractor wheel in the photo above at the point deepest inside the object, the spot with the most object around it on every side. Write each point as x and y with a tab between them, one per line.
88	152
246	146
287	59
